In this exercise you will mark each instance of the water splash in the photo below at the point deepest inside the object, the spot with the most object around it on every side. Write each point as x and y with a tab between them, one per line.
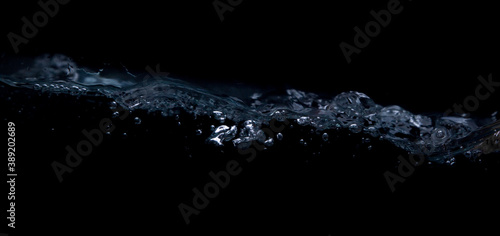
438	137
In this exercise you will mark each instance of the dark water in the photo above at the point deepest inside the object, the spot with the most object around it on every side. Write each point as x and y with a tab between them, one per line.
240	126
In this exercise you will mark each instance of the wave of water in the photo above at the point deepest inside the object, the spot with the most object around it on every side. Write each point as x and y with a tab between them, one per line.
438	137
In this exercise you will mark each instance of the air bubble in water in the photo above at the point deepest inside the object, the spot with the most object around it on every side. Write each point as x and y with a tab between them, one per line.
113	105
137	120
451	161
116	114
303	120
468	154
223	133
279	136
279	115
325	137
218	115
302	142
199	132
269	142
231	133
355	128
260	136
440	133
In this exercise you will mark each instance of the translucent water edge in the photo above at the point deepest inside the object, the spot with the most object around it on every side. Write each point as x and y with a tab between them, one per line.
438	137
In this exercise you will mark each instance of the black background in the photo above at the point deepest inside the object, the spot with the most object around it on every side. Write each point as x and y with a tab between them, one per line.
427	59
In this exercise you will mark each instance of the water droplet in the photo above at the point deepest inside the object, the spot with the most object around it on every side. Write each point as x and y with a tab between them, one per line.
355	128
467	154
303	120
116	114
124	135
218	115
231	133
113	105
279	115
370	147
279	136
302	142
199	132
137	120
212	127
222	128
440	133
269	142
260	136
325	137
179	123
218	135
